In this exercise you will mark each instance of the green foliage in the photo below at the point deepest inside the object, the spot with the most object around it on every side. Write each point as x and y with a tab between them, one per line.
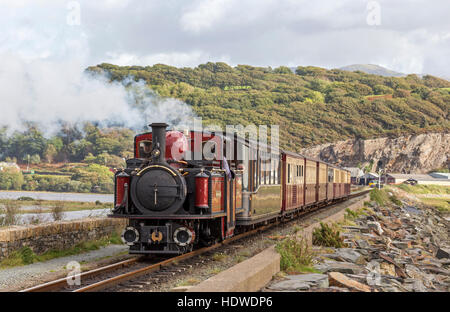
395	200
11	180
295	254
27	255
350	214
442	204
424	189
25	198
328	236
379	196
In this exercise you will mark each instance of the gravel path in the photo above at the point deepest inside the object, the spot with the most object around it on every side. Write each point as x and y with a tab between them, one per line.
29	275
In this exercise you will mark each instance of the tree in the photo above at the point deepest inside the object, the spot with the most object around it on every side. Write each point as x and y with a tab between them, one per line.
50	153
282	70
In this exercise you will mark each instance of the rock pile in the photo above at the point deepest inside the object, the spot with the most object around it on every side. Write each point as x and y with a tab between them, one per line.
393	248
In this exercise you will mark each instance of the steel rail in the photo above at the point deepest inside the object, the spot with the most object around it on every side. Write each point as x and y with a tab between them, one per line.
62	282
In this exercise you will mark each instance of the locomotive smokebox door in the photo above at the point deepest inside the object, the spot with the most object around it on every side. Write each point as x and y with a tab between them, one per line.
158	189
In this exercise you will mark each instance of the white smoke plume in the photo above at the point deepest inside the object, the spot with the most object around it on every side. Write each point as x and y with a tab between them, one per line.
47	92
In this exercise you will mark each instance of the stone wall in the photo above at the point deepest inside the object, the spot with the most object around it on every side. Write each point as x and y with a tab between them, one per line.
56	235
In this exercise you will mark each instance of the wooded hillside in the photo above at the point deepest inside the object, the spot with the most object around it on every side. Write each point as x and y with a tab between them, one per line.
312	105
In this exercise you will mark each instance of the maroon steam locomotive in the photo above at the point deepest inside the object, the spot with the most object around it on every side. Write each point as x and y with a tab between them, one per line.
174	205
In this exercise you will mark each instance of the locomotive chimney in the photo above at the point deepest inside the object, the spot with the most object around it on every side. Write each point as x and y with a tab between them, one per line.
159	141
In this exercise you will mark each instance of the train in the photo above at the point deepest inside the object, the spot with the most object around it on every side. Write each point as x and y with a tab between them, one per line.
174	204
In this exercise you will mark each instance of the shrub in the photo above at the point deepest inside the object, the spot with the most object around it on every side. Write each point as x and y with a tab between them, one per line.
58	211
395	200
11	211
11	180
25	198
350	214
295	254
327	236
379	196
27	255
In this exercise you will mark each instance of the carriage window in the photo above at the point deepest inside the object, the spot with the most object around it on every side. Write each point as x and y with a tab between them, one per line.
289	173
245	176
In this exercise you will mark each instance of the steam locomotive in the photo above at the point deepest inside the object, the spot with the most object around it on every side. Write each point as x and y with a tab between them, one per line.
175	204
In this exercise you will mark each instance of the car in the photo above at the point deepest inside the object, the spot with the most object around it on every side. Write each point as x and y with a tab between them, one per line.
410	181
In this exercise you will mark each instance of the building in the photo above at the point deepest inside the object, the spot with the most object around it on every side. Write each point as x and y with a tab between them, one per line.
355	174
9	166
366	178
440	175
424	179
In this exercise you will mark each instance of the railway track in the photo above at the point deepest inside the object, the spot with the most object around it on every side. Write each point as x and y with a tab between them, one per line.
114	274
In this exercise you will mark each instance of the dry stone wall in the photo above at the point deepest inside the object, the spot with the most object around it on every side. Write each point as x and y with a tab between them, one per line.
56	235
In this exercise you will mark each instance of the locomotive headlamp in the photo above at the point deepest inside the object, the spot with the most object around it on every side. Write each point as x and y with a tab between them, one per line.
183	236
130	236
156	152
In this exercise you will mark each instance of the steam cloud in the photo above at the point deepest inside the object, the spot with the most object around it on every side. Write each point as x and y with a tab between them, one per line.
48	92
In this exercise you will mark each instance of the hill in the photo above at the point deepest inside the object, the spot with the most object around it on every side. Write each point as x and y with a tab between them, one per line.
372	69
312	105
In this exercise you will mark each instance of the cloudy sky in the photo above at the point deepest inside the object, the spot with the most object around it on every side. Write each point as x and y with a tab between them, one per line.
410	36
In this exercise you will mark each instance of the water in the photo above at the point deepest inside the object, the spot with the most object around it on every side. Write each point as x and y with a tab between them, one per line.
79	197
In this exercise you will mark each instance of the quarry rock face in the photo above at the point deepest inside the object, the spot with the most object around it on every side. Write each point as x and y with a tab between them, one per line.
406	154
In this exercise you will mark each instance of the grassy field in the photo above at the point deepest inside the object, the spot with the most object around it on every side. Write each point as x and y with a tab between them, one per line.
424	189
442	204
47	205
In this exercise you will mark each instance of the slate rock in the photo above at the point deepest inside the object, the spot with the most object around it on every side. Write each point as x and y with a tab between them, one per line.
342	267
347	254
443	253
375	226
301	282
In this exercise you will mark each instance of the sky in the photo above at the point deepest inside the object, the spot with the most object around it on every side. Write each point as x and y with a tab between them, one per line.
408	36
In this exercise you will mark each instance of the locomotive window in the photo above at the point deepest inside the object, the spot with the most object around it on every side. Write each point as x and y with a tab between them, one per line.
209	150
145	148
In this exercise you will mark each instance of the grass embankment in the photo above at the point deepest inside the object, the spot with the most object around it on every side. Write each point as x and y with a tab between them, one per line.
442	204
47	205
27	256
425	189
